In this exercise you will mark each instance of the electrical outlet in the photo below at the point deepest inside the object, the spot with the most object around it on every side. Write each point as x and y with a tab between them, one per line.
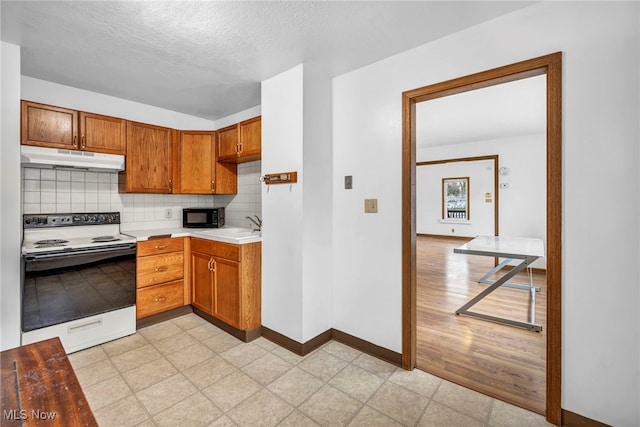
371	205
167	213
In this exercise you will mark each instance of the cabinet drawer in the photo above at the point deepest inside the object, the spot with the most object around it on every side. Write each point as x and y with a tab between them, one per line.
160	246
216	249
161	268
159	298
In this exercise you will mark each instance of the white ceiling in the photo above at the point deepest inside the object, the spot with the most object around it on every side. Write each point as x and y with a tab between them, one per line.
207	59
506	110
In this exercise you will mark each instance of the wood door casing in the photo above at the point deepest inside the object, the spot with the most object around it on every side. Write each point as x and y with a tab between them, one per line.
48	126
551	65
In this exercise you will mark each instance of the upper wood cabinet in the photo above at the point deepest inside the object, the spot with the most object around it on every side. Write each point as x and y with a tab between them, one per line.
103	134
199	172
241	142
56	127
150	160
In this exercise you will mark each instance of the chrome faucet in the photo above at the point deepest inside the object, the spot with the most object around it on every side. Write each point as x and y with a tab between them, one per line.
257	222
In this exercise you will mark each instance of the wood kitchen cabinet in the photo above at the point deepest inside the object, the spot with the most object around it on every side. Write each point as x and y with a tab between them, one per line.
56	127
226	281
199	171
160	276
150	163
241	142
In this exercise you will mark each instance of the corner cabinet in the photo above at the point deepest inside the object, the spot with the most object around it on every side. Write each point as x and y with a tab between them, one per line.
226	281
199	171
56	127
149	161
241	142
160	276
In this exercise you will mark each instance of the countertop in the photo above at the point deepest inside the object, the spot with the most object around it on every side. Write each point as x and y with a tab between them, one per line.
235	235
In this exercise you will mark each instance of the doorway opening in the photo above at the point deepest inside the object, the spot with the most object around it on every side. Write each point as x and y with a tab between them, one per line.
551	66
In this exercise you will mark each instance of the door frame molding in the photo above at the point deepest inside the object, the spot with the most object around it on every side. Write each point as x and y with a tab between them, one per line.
551	65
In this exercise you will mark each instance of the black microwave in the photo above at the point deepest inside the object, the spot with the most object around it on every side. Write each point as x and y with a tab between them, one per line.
203	217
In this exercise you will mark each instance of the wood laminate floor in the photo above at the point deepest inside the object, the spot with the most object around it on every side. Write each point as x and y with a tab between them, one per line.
501	361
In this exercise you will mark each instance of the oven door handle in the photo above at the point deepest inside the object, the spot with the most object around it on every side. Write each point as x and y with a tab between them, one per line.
80	252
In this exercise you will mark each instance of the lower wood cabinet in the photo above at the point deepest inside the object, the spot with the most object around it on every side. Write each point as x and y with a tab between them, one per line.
159	298
160	276
226	281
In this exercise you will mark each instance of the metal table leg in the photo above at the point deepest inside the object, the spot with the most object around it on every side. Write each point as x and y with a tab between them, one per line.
464	310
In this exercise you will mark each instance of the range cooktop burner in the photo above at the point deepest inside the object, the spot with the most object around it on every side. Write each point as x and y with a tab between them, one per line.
101	239
51	242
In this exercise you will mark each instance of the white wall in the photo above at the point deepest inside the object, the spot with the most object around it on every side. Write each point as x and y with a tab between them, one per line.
601	323
429	200
83	100
317	202
296	260
522	211
282	232
10	222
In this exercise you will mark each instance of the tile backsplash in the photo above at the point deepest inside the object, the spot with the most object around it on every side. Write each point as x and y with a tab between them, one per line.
65	191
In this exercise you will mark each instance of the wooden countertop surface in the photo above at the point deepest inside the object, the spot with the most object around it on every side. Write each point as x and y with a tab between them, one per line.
39	388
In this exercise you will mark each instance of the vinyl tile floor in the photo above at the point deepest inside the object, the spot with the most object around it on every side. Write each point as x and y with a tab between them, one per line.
187	372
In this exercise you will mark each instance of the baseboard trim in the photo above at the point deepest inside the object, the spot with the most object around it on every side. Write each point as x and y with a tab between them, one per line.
446	236
571	419
303	349
163	317
367	347
242	335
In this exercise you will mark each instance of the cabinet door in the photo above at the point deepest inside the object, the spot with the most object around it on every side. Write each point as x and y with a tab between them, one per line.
228	143
49	126
251	139
103	134
226	305
148	164
202	282
197	163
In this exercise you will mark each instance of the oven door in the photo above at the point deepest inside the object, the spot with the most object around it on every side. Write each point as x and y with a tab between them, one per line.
60	286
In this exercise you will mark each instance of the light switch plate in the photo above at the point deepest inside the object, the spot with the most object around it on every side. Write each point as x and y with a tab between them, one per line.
348	182
371	205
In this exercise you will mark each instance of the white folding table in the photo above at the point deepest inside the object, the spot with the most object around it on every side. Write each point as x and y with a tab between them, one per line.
509	249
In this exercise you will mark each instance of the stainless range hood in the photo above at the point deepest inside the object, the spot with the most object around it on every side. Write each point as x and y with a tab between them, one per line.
40	157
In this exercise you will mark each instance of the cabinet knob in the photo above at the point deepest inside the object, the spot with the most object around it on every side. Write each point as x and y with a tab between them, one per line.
213	186
159	269
212	264
171	186
75	141
83	142
160	247
160	299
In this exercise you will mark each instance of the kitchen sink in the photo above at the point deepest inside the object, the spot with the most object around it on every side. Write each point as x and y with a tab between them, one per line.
230	234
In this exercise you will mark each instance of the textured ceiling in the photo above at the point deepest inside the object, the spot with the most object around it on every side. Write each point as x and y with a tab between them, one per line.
207	59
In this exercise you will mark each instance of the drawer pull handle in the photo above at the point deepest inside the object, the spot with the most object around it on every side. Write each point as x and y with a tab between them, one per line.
159	269
83	326
161	247
161	299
